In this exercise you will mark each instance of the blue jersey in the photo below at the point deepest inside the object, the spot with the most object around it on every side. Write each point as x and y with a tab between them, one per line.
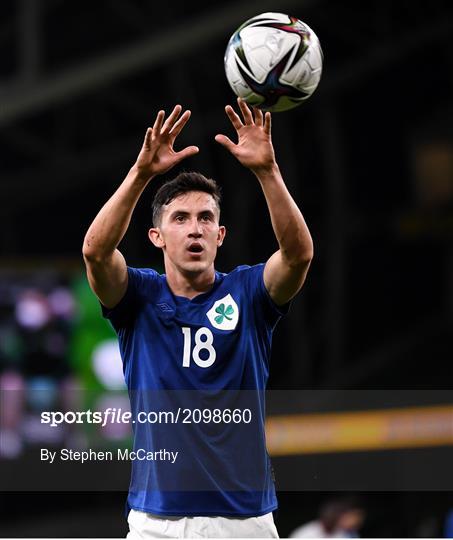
203	363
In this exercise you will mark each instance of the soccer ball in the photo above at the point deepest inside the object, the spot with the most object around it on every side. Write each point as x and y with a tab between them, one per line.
274	62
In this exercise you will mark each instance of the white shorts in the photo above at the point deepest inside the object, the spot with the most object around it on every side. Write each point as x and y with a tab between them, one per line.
143	526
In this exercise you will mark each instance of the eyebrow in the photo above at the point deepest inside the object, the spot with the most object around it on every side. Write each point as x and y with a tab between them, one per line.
186	213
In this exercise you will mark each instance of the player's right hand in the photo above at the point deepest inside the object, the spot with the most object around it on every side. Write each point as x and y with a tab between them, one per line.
157	155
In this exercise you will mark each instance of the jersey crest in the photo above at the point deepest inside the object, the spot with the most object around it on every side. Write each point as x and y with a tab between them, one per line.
224	314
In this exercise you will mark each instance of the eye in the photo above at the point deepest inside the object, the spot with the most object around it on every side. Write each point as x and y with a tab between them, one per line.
206	218
180	218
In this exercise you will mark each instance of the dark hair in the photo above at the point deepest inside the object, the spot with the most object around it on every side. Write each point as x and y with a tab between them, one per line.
183	183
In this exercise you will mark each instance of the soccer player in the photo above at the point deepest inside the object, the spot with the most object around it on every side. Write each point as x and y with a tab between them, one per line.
199	330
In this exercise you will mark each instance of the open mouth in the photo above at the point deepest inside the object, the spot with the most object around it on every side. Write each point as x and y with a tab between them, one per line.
195	248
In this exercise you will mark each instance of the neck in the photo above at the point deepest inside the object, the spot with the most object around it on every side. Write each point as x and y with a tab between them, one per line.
189	284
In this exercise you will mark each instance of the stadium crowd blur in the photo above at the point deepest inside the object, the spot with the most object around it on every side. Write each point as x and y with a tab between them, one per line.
35	329
338	518
370	161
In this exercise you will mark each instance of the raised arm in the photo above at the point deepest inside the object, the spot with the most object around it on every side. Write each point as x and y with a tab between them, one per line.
106	266
286	269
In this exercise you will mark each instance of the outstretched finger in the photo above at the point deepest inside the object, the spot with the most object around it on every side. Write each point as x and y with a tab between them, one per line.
147	141
225	141
186	152
176	129
258	116
234	118
171	120
158	123
267	123
246	113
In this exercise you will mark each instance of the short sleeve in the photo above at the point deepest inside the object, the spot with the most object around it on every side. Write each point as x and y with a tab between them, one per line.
262	299
142	285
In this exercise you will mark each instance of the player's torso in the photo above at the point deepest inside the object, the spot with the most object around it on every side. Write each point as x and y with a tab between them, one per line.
209	342
194	360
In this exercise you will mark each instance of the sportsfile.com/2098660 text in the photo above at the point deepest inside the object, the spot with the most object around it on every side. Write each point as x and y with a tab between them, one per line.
118	416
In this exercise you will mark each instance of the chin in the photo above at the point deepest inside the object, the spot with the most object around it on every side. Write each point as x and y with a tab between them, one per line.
195	267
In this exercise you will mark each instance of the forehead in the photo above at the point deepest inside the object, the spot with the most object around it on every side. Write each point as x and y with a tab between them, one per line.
192	202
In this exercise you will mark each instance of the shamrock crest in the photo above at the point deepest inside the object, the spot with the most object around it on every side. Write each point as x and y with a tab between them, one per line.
224	314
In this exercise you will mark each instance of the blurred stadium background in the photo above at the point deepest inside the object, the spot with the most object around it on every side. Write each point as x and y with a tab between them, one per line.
366	351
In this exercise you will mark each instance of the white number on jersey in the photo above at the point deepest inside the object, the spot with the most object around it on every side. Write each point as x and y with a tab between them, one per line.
200	344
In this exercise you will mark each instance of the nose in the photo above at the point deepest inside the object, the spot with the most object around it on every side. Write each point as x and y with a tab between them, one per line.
195	229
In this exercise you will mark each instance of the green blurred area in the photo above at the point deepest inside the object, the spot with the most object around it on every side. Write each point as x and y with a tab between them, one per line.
90	329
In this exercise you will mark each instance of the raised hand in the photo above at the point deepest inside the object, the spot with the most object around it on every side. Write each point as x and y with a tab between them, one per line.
157	155
254	147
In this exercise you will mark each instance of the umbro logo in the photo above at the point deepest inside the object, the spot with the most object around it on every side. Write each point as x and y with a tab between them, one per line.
164	307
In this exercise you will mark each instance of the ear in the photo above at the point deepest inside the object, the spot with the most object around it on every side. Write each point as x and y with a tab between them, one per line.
155	236
221	235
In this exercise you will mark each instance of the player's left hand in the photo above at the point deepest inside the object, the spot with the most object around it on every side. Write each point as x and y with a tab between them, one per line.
254	147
